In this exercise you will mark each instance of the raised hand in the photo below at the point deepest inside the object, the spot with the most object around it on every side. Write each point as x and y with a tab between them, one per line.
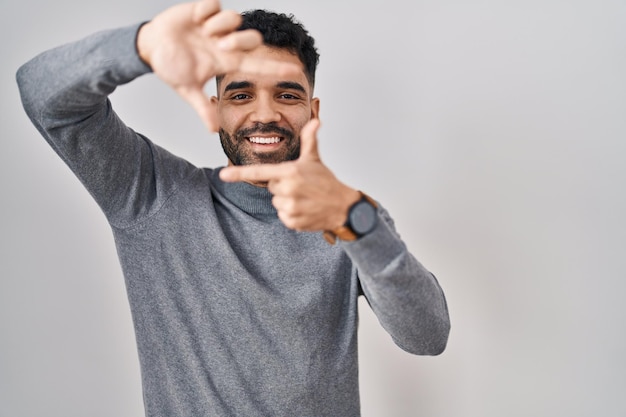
306	194
188	44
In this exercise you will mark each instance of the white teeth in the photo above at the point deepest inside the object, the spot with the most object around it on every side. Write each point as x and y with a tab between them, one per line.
255	139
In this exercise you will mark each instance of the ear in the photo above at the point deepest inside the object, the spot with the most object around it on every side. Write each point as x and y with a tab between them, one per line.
315	108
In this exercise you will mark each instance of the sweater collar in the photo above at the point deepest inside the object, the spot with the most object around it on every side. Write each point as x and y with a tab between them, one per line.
247	197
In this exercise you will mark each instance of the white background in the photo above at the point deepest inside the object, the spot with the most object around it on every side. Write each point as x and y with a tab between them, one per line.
493	131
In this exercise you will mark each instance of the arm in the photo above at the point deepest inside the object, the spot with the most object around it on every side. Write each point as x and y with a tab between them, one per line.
405	297
64	91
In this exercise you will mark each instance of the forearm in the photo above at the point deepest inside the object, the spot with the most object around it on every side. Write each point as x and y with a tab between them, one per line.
404	295
75	79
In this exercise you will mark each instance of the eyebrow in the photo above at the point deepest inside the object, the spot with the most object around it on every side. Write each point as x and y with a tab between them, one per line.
236	85
289	85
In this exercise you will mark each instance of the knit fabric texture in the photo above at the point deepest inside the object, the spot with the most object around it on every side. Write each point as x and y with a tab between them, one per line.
234	314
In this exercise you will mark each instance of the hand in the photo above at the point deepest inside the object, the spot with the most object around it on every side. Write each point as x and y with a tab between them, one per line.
307	195
190	43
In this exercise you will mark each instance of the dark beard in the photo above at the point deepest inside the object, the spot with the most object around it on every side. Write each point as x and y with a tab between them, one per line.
238	156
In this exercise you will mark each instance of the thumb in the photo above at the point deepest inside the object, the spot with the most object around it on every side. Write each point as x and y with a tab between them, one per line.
202	105
308	140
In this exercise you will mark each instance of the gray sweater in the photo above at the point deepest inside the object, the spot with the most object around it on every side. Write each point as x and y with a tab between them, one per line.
234	314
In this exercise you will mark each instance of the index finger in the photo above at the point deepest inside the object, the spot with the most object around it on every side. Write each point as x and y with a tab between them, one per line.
268	67
204	9
243	41
253	173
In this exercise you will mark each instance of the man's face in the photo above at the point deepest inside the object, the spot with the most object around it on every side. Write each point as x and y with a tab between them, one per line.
261	116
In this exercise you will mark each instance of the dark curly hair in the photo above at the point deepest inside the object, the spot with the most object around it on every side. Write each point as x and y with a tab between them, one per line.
283	31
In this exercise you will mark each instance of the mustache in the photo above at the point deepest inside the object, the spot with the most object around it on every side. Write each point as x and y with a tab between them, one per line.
264	128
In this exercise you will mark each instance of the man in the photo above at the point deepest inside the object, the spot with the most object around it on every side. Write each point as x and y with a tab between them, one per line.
240	306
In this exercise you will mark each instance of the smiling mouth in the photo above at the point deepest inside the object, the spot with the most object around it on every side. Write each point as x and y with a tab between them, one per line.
264	140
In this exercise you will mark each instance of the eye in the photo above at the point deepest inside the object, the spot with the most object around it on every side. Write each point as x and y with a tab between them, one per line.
239	96
289	97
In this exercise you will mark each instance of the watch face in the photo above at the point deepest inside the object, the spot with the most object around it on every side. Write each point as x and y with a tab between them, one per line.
363	218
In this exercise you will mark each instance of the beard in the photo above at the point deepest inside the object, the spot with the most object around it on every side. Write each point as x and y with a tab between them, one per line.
239	154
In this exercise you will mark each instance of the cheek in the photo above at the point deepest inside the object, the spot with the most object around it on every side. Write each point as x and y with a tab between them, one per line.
298	119
230	119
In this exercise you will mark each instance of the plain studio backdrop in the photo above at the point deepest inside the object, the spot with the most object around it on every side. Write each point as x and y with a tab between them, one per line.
493	131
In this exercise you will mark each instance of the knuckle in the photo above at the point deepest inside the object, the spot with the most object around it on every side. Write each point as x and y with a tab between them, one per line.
293	170
290	188
291	207
287	220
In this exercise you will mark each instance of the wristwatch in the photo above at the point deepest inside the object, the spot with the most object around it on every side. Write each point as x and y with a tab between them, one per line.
362	219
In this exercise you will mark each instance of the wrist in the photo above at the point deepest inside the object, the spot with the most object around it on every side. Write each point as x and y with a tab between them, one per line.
360	219
142	44
348	198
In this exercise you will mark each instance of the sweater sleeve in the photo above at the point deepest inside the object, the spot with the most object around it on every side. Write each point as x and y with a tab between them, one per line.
65	93
405	296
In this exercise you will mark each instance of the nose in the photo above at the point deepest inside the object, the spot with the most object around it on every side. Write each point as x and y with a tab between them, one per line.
265	110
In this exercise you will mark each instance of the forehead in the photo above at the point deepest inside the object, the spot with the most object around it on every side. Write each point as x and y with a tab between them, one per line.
265	52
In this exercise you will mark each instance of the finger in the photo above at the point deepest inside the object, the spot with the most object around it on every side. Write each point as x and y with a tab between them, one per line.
241	40
203	106
268	67
308	141
288	212
224	22
253	173
284	187
204	9
272	187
